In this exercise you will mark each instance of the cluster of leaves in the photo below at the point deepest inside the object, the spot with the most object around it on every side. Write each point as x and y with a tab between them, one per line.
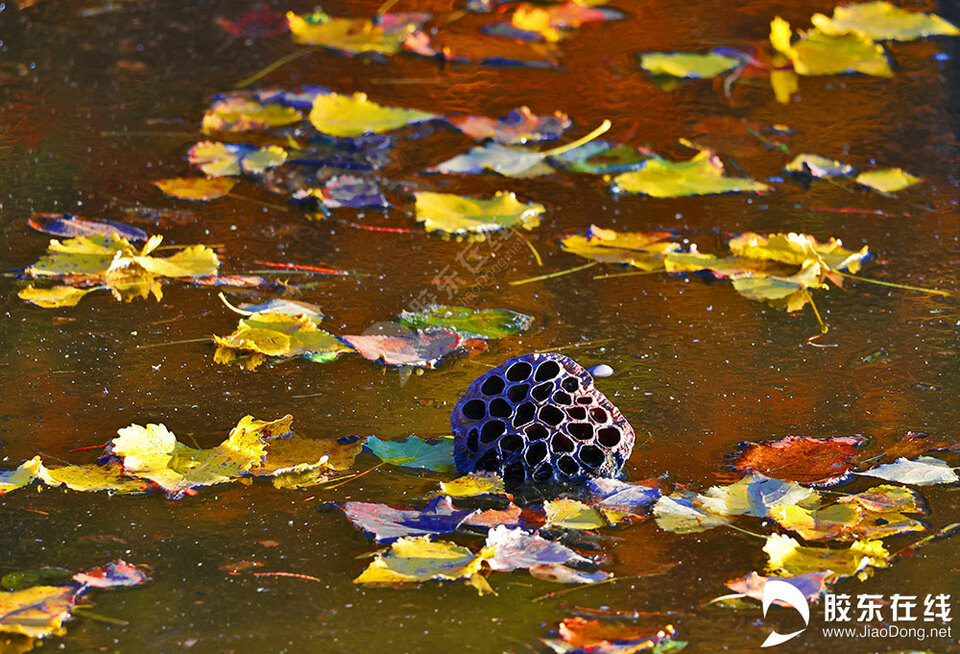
846	42
87	263
780	269
33	607
282	328
528	37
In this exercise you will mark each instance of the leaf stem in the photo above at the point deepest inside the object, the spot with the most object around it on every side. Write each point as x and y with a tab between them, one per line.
905	287
560	273
628	274
352	477
604	126
242	312
533	250
823	326
282	61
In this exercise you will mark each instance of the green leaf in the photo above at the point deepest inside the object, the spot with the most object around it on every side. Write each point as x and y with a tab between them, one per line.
277	335
459	215
887	180
470	323
687	65
882	21
414	453
237	114
701	175
355	115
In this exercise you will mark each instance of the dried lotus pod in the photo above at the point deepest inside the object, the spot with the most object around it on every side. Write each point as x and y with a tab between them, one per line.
539	418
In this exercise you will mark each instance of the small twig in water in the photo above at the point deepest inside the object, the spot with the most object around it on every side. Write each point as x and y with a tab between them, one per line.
905	287
266	70
561	273
533	250
352	477
628	274
291	575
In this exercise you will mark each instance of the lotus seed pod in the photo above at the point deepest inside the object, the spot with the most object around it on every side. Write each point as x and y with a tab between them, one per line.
539	418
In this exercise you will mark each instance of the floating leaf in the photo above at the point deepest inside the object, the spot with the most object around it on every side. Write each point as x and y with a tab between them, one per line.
922	471
814	461
816	53
789	557
45	576
596	637
571	514
200	189
469	323
811	584
701	175
293	453
460	215
420	349
240	114
562	574
52	298
798	249
602	158
882	21
353	191
108	477
681	517
887	180
643	250
223	159
509	517
515	549
115	574
153	453
549	23
688	65
509	161
815	165
843	521
486	49
286	308
414	452
36	612
517	127
21	476
277	335
386	524
616	495
65	225
755	495
354	115
420	559
786	293
476	483
383	35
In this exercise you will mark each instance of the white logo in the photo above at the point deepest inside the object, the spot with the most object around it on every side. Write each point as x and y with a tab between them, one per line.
785	593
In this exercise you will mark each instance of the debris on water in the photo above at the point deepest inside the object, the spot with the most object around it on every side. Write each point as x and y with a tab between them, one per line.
602	370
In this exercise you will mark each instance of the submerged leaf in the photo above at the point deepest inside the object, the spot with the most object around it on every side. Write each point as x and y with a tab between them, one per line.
355	115
596	637
881	21
469	323
414	452
922	471
64	225
549	23
786	293
115	574
460	215
701	175
814	461
200	189
787	556
616	495
643	250
509	161
843	521
420	559
811	584
755	495
561	574
517	127
798	249
687	65
602	158
785	84
293	454
816	53
386	524
887	180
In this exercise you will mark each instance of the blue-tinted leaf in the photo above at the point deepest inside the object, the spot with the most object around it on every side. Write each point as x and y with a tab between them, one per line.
386	524
66	225
414	452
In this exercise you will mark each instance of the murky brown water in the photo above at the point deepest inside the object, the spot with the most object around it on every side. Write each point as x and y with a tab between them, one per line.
699	368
